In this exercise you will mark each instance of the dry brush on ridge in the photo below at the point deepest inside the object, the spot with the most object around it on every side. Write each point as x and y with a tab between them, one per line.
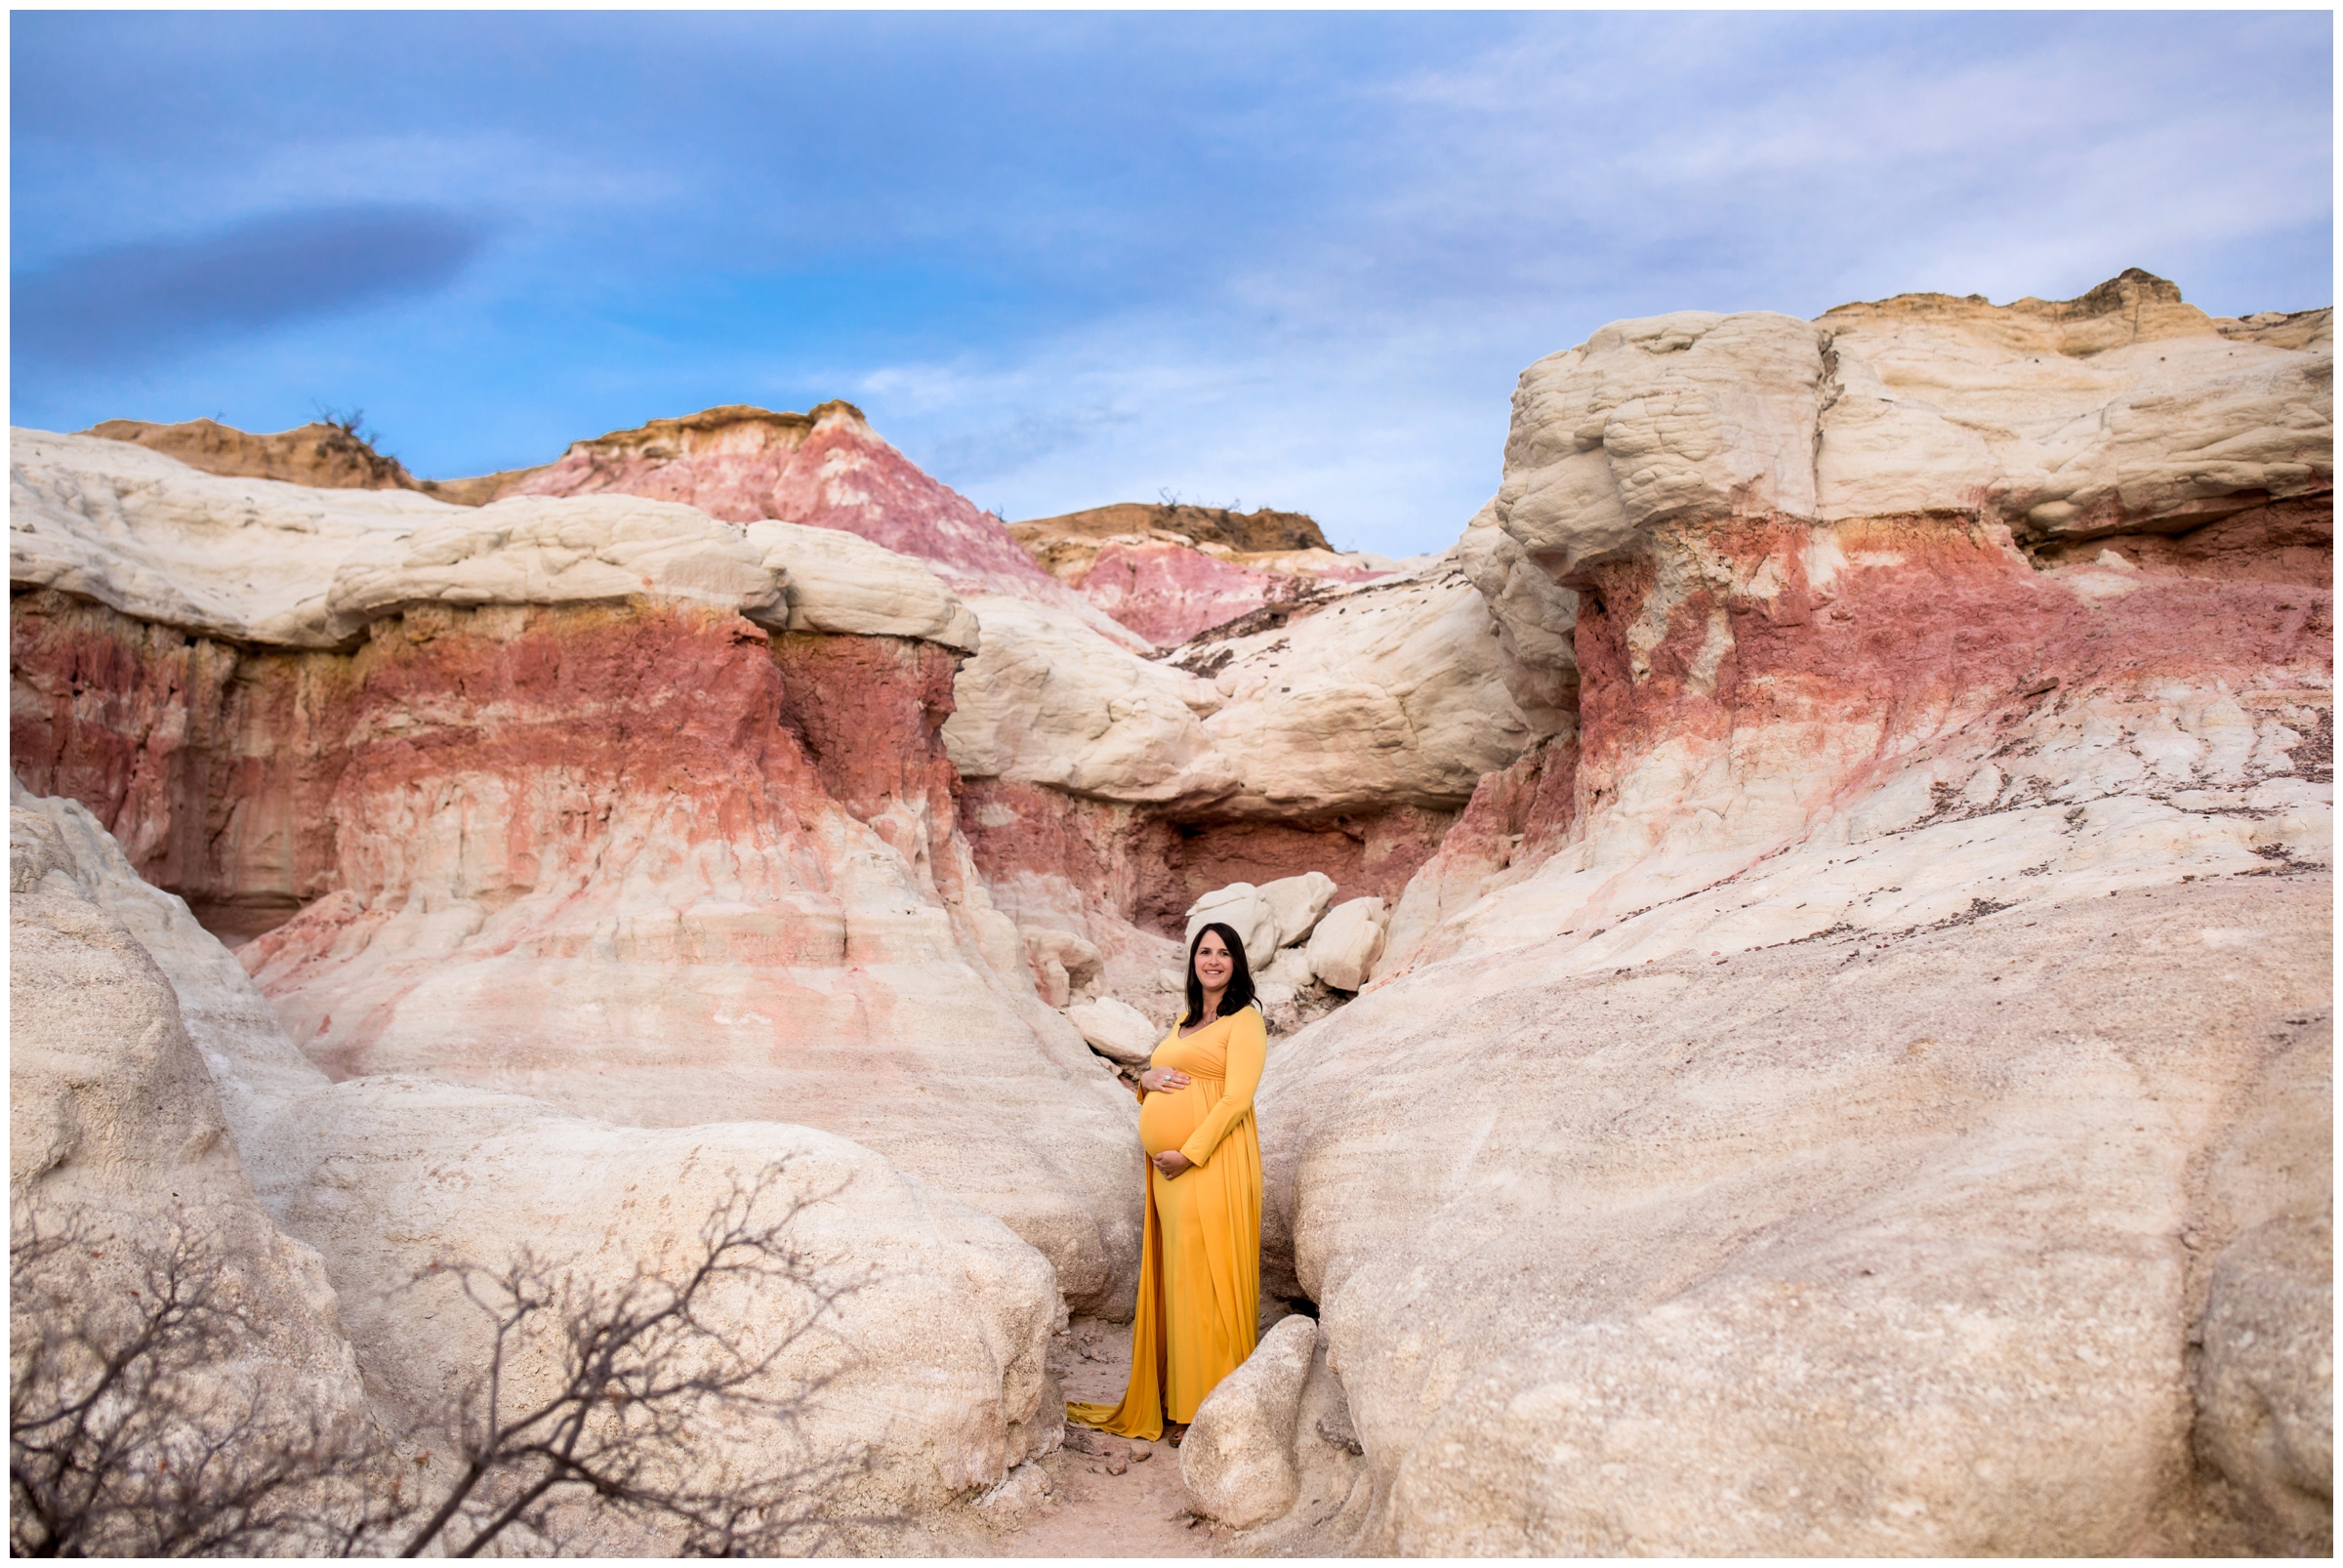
1800	944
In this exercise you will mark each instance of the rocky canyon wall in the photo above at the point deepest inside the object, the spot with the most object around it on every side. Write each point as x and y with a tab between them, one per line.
599	800
1812	1080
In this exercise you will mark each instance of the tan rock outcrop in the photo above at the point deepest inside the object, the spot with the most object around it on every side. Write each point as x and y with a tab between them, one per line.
322	455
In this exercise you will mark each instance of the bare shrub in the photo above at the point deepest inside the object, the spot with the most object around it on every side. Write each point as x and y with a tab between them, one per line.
136	1428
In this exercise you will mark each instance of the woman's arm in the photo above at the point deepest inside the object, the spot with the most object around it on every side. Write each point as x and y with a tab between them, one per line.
1248	1053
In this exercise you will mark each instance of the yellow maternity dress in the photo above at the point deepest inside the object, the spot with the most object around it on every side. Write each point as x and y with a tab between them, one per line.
1200	1266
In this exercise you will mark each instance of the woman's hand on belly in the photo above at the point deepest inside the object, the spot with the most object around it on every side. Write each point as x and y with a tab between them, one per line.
1163	1080
1171	1162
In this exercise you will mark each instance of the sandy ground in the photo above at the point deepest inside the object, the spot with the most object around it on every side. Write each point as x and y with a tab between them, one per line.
1088	1511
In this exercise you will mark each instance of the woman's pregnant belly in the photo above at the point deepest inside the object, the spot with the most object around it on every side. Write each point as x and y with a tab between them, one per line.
1167	1119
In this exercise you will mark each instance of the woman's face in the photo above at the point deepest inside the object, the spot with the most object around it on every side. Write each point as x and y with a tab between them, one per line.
1213	966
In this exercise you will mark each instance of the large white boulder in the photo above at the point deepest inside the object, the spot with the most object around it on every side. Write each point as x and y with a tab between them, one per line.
1241	907
1347	942
1238	1462
1852	1245
1050	701
1298	901
1116	1030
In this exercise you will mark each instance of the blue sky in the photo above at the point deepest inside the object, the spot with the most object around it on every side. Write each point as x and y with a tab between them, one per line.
1293	260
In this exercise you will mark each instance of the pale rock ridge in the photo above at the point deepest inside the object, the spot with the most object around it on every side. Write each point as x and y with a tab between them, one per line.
939	1351
827	469
2122	411
260	562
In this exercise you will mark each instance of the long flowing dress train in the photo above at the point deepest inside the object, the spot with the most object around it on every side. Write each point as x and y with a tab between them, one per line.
1200	1265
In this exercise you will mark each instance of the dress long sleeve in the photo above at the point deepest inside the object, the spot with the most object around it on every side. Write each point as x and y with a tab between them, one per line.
1248	1054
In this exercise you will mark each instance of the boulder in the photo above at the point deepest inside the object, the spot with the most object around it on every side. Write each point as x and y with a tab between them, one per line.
1291	968
1050	701
1116	1030
1346	944
1062	963
1241	907
1298	901
1238	1462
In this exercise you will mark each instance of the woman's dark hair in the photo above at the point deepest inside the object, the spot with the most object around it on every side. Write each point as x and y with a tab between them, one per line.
1239	978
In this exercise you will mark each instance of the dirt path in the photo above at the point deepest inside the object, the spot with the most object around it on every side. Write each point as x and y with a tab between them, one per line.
1088	1510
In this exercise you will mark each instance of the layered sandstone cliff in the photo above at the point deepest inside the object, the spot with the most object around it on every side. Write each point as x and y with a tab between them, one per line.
1859	1089
549	788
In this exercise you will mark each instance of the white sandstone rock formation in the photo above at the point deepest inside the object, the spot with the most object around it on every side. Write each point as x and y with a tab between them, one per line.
1837	1247
1347	941
1815	1059
722	821
934	1349
1236	1462
1297	903
1116	1030
117	1135
1050	701
1391	693
1241	907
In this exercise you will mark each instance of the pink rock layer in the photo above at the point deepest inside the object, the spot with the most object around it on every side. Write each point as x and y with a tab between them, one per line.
644	862
827	469
1934	624
1168	592
1053	858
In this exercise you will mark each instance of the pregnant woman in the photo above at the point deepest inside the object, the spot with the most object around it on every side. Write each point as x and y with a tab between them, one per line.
1200	1267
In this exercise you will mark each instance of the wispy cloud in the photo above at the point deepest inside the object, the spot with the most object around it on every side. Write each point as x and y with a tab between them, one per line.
140	302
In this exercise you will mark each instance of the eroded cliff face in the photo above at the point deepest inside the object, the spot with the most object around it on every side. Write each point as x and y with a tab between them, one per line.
1814	1063
559	788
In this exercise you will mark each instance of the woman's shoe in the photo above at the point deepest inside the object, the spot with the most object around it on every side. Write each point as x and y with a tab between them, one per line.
1174	1430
